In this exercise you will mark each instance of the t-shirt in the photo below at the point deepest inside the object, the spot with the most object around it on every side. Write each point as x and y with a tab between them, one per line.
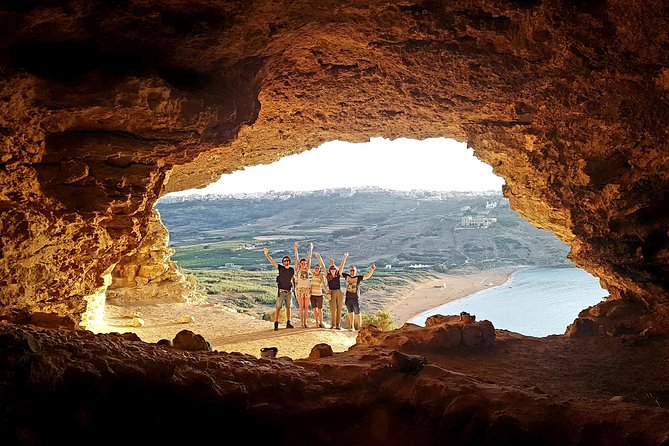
285	279
352	285
334	283
316	285
303	278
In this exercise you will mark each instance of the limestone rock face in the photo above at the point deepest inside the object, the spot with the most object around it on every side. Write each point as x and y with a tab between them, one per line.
104	107
149	275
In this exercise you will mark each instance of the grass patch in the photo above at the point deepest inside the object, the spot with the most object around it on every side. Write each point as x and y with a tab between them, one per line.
246	288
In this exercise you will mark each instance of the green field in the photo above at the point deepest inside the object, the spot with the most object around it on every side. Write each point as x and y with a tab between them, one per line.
254	292
220	255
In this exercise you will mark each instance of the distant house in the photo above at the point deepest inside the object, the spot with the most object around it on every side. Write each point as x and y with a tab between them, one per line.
478	221
490	204
419	266
388	266
465	208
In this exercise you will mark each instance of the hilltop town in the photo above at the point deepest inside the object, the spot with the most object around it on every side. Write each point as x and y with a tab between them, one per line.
394	229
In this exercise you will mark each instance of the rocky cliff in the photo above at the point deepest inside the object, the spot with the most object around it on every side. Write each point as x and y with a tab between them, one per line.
105	106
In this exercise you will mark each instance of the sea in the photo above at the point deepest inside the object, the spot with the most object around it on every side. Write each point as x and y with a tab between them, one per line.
534	301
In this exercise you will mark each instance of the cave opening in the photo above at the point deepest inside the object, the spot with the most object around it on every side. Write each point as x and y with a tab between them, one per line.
216	235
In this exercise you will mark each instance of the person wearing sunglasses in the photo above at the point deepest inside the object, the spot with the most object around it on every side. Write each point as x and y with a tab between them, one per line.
334	293
285	282
352	301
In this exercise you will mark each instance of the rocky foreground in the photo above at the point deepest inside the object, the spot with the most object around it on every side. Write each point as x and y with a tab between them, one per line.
451	382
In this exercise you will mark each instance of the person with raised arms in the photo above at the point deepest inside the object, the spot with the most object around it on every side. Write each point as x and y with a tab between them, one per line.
352	301
285	281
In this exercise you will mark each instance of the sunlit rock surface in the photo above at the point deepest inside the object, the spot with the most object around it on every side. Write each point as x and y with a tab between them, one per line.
104	107
149	275
567	101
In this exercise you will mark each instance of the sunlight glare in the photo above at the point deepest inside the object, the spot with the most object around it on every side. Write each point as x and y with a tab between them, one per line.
436	164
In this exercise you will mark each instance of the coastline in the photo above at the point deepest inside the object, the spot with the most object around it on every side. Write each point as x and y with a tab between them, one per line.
447	288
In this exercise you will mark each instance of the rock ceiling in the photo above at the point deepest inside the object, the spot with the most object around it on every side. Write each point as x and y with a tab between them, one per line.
106	106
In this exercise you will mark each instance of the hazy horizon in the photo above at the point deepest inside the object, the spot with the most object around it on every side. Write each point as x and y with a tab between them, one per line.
437	164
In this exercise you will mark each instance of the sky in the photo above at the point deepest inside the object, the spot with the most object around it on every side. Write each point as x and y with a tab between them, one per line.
436	164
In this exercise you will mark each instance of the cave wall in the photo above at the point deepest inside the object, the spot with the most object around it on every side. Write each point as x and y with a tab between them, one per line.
148	274
104	107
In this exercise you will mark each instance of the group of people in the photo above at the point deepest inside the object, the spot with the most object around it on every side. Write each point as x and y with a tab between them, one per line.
310	287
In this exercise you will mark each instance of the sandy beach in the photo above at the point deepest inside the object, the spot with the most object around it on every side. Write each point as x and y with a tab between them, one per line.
447	288
229	331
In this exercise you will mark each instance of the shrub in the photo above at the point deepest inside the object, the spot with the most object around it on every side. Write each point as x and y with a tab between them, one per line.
381	320
269	316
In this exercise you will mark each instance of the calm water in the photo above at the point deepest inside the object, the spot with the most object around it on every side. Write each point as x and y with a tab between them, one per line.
534	302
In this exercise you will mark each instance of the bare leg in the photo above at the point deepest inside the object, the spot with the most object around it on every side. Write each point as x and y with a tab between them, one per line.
304	308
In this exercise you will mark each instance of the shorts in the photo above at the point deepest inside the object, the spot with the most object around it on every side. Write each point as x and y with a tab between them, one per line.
316	301
352	305
283	298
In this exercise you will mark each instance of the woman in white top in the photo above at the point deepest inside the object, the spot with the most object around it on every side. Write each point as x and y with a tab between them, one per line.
303	292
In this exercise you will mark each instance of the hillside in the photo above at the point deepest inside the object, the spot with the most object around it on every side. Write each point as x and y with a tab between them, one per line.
403	229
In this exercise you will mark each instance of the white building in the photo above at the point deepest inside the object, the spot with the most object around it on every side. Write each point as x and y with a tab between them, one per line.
490	204
478	221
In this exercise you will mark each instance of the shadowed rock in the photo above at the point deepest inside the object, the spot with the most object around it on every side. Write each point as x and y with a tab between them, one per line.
187	340
404	363
320	351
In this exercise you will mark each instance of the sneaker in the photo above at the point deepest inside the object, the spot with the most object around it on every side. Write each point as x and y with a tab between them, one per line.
338	327
289	325
276	325
332	327
321	326
305	325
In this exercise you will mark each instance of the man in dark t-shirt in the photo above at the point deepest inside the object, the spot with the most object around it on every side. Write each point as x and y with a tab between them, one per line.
285	282
352	301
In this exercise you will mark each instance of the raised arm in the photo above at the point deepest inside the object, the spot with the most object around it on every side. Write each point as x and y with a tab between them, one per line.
369	275
311	250
269	257
320	259
297	258
343	262
324	284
